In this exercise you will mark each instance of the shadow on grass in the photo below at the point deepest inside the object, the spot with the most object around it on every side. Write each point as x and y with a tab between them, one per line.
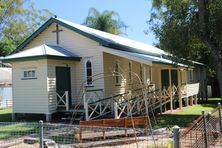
169	120
5	117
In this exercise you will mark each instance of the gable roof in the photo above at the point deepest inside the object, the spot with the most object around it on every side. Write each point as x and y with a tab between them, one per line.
119	43
42	51
105	39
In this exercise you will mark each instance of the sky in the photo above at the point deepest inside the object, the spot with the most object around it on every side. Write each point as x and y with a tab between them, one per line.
134	13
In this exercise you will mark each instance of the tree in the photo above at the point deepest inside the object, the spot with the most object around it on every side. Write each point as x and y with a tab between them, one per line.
108	21
190	29
17	22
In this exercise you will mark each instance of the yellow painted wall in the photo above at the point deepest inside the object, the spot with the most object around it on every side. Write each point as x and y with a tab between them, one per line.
111	87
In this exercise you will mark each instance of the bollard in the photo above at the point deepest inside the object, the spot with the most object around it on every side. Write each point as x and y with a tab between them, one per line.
220	122
41	134
176	136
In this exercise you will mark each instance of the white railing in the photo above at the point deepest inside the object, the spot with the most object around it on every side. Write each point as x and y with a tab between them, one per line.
94	104
136	101
63	100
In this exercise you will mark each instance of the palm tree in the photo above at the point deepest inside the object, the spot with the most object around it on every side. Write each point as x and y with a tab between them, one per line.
108	21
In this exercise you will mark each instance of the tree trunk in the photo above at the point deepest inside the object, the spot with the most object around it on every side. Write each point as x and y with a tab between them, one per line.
209	40
219	76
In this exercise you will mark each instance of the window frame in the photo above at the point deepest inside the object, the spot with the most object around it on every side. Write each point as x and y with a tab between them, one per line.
30	74
191	78
141	72
130	68
117	71
86	73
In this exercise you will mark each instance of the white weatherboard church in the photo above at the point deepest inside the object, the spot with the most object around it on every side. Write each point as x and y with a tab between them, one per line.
51	67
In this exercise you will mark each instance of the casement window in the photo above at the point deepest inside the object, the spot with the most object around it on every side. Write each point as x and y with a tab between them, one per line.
29	73
117	73
130	72
88	71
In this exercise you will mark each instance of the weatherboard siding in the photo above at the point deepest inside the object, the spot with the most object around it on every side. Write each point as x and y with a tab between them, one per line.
85	48
46	37
30	96
80	46
109	81
51	81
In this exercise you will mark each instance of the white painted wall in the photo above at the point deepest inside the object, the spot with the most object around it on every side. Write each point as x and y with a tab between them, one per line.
79	45
30	96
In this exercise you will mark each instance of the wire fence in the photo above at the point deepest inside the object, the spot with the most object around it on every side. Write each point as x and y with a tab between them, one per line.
39	135
204	132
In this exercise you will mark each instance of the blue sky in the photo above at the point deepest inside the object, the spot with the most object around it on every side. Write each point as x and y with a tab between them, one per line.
133	13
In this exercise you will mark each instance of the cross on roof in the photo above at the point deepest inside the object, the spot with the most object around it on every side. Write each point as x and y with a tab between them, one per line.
57	33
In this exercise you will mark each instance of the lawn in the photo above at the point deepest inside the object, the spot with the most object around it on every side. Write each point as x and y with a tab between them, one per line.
16	129
186	115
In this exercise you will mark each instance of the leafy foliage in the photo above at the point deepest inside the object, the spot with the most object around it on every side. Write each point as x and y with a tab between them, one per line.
174	23
108	21
190	29
18	19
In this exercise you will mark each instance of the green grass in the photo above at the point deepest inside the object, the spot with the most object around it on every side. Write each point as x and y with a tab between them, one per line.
17	130
186	115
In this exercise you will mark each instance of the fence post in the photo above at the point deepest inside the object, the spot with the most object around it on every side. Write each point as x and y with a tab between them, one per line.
41	134
205	130
220	122
176	136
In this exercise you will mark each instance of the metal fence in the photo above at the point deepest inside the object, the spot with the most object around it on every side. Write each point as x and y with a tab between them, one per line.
205	132
39	135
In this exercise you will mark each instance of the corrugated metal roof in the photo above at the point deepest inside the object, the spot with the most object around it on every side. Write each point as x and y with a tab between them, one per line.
116	39
42	50
154	58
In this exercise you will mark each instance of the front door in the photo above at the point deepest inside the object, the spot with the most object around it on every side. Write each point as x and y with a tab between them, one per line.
63	82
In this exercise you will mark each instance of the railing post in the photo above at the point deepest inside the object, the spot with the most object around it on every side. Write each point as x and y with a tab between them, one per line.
180	97
161	107
85	103
220	121
41	134
115	110
176	136
195	99
67	100
205	130
171	100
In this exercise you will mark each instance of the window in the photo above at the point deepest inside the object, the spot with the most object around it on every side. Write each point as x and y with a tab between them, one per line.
141	72
89	72
130	72
191	75
117	73
29	74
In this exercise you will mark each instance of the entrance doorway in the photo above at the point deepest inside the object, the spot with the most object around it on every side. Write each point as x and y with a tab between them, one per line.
63	81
